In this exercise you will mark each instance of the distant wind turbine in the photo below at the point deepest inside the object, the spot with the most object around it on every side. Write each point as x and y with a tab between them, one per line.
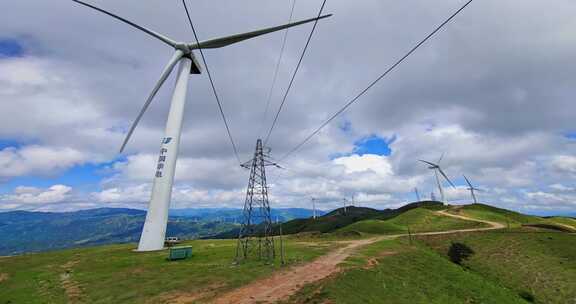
438	170
154	230
313	207
472	189
417	195
344	202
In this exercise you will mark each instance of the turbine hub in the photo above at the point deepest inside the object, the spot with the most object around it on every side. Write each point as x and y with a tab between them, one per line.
185	48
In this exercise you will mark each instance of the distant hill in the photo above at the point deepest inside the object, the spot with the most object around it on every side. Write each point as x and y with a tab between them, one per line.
416	220
235	215
23	231
339	218
511	218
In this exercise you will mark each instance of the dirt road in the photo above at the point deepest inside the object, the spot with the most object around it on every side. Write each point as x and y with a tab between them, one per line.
283	284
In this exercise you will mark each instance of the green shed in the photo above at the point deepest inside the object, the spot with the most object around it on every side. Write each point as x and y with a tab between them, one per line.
179	253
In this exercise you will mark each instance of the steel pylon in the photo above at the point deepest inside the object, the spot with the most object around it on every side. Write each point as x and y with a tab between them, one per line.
256	237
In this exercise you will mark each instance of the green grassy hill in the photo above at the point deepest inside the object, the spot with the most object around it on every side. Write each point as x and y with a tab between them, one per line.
517	265
417	220
338	219
116	274
507	217
521	266
537	264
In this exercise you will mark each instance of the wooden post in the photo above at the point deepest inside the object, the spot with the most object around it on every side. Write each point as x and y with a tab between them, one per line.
281	246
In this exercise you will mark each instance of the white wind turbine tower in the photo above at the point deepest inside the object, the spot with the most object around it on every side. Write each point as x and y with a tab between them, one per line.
417	195
313	207
437	171
154	230
472	189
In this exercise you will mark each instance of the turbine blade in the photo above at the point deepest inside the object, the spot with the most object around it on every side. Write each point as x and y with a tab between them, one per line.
446	177
162	38
167	70
474	196
224	41
441	157
468	181
429	163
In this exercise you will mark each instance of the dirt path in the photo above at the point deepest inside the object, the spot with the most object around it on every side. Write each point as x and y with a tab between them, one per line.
283	284
495	225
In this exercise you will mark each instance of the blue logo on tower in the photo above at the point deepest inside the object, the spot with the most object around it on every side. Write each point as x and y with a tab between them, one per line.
162	158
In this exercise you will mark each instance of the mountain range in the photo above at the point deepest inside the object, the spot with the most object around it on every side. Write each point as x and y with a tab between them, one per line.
25	232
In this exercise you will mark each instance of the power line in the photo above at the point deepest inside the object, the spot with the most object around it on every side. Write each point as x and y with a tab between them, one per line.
212	84
277	69
295	72
390	69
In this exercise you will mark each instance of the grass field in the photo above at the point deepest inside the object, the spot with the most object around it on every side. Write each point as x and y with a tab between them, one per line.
541	264
517	265
520	266
507	217
564	221
393	271
418	220
115	274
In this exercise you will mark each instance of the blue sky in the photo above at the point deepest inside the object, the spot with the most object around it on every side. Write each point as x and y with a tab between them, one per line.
10	48
373	145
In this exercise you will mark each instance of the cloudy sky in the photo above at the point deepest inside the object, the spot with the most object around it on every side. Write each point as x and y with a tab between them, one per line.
494	91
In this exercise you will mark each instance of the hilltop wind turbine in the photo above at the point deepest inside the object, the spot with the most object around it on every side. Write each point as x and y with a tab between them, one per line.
472	189
313	207
437	169
417	195
154	230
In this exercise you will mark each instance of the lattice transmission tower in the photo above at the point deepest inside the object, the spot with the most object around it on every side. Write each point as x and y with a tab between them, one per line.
256	236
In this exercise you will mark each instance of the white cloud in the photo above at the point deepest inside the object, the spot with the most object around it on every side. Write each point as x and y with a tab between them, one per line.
36	196
38	160
565	163
561	187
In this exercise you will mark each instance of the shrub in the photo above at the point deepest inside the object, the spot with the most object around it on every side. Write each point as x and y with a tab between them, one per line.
459	252
527	296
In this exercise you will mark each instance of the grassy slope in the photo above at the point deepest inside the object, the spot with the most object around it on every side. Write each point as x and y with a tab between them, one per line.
540	263
419	220
401	273
564	221
505	265
114	274
515	219
337	219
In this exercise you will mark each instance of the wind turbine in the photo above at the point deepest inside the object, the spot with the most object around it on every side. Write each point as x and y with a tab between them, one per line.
154	230
313	207
437	171
417	195
472	189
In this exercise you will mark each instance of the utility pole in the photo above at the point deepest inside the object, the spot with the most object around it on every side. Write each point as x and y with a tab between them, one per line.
344	201
256	211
